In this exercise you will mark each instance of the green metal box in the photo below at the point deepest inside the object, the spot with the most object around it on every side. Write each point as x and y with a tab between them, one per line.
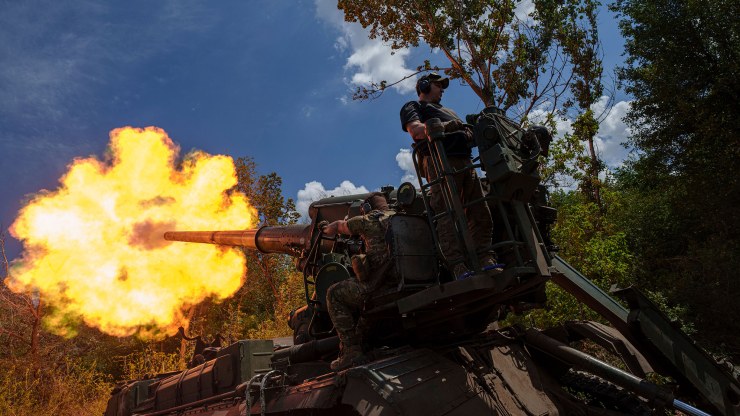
250	357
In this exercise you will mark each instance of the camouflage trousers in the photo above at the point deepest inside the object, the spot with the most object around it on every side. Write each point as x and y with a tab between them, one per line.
478	215
344	301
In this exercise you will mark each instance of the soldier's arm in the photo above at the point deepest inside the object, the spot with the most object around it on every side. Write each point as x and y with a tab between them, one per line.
417	130
337	227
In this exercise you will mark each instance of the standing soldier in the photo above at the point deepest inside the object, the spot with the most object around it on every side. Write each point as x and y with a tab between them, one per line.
414	114
345	299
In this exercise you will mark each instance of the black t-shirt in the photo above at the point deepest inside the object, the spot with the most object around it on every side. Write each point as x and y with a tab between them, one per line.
454	144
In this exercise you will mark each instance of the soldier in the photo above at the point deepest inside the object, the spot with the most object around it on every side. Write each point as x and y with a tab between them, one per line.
414	114
345	299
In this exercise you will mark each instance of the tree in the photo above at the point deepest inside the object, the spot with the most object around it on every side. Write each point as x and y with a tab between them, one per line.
574	155
682	66
42	372
585	52
549	60
266	196
683	58
23	313
513	62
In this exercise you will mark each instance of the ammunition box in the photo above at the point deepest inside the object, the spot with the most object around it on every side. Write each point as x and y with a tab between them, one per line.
248	357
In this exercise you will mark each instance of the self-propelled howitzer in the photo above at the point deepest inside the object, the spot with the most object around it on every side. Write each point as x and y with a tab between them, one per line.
433	341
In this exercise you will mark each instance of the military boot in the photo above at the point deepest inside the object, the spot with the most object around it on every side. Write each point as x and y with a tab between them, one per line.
461	271
488	263
348	356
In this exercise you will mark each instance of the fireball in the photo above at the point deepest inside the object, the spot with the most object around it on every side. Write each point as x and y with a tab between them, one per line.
93	248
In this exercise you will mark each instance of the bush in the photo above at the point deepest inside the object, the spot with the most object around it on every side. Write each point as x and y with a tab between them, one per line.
139	364
68	388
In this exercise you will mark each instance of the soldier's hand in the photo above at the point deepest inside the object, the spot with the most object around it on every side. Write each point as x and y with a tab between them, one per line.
323	224
418	131
469	137
453	125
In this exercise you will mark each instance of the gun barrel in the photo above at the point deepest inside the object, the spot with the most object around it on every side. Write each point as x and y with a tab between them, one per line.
286	239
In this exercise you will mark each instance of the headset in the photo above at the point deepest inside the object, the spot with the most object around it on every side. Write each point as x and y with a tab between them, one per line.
424	85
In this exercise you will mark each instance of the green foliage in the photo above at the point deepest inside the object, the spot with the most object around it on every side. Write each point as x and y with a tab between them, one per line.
594	244
572	158
265	194
293	296
682	193
590	240
566	162
246	316
148	362
686	247
682	67
561	307
507	60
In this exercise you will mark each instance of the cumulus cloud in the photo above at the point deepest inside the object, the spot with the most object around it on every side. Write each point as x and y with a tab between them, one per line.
315	190
370	60
406	163
563	125
613	132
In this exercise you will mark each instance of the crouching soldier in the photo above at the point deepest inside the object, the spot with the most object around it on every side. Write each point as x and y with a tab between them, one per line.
345	299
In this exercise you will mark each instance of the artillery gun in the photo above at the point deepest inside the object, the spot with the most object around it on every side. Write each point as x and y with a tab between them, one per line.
433	341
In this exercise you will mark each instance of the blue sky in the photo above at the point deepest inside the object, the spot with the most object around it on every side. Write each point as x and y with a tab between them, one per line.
266	79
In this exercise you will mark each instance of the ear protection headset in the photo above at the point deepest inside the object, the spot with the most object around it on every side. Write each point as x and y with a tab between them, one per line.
424	85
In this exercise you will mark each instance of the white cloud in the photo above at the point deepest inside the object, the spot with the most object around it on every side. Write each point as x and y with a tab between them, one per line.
613	131
406	163
524	10
315	190
371	60
612	123
563	125
373	63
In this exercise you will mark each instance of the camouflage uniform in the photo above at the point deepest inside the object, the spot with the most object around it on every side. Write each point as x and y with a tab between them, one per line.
345	299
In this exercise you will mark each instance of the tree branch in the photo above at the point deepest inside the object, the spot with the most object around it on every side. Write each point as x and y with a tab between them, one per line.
14	335
377	89
6	266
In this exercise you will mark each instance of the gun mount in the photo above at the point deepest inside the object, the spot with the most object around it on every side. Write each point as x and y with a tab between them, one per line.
433	341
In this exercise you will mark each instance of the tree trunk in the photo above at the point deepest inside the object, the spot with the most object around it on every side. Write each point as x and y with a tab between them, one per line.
184	342
594	174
